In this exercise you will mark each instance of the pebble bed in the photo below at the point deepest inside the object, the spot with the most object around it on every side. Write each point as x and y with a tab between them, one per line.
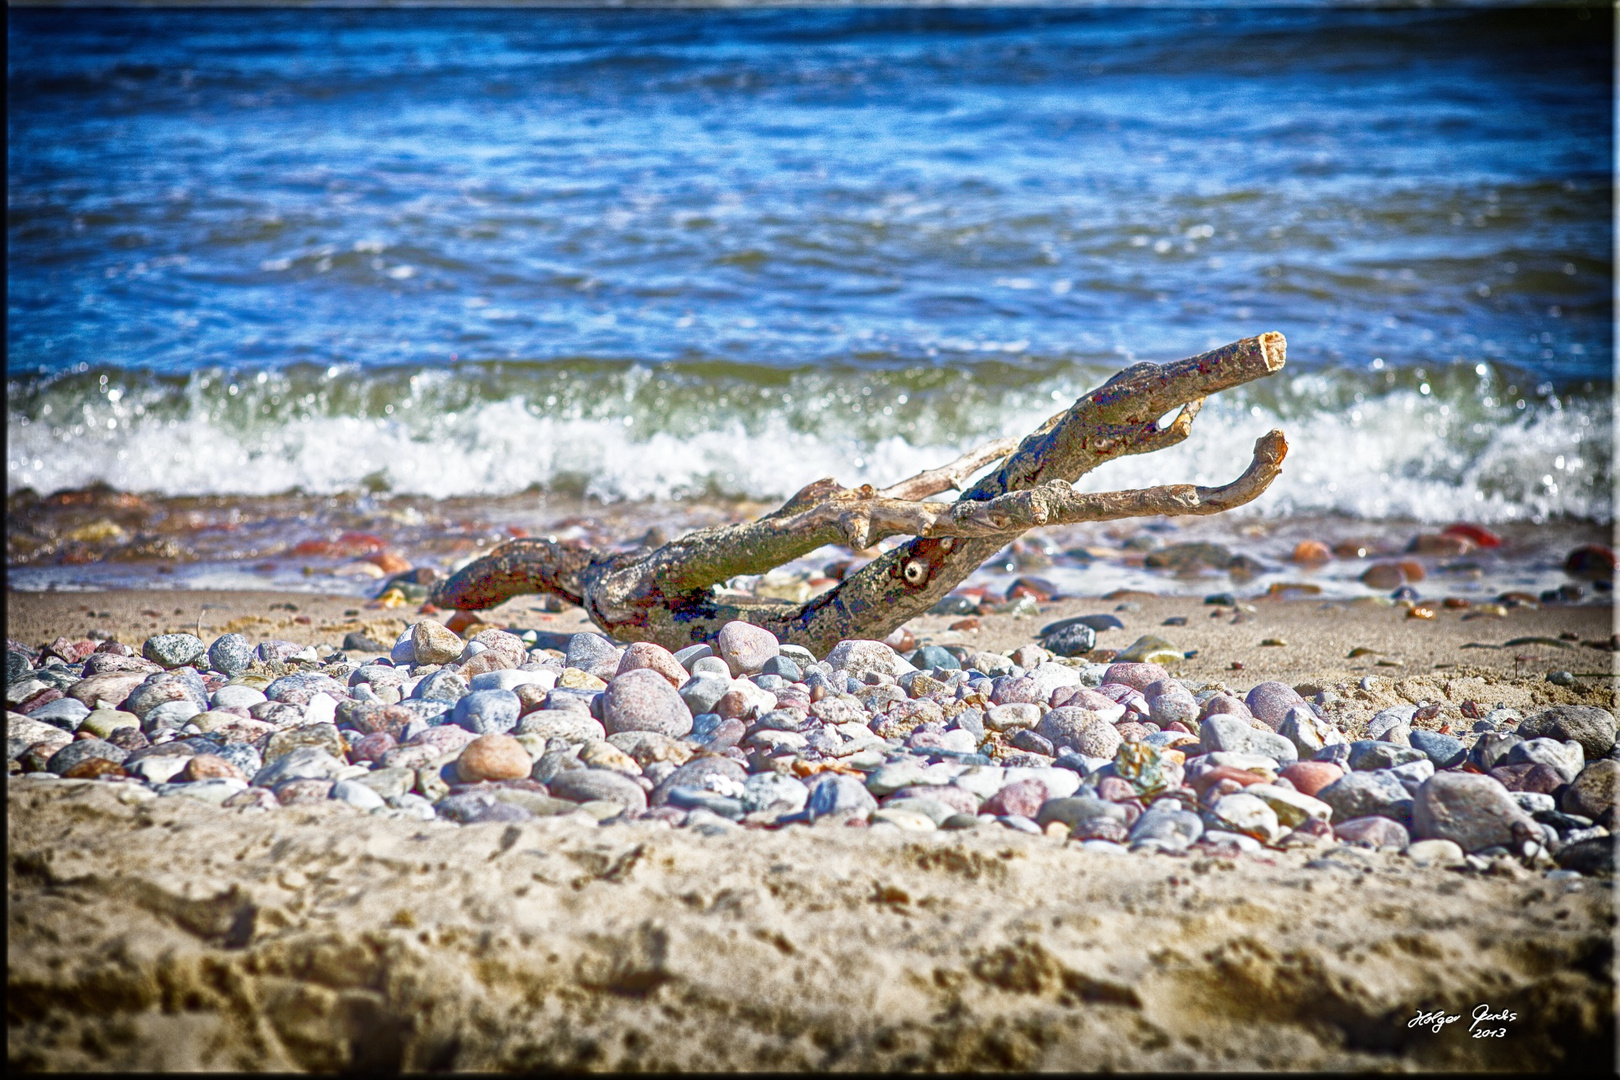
746	732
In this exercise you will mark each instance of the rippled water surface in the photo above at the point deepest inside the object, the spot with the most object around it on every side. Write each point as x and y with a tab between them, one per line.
684	255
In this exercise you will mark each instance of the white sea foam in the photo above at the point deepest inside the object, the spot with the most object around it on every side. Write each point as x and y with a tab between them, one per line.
1395	456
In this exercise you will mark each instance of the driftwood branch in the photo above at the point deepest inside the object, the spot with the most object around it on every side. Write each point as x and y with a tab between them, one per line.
666	594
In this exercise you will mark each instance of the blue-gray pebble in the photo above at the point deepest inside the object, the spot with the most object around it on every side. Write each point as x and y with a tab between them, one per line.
930	657
1445	751
835	793
486	712
783	666
1369	754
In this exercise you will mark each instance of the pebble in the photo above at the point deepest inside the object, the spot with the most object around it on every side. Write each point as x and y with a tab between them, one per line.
1170	830
646	655
745	648
1593	728
858	658
301	687
709	749
358	795
1247	815
1372	832
1434	853
1528	777
174	650
434	643
591	785
1564	758
1222	731
209	767
1293	808
230	654
75	752
1149	650
308	762
444	685
103	722
593	654
1592	793
485	712
183	684
1491	749
1081	730
1270	702
1075	639
644	700
1445	751
837	793
1022	799
1473	811
1368	754
569	725
493	757
1365	794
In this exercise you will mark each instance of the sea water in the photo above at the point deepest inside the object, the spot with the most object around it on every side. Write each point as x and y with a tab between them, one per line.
436	274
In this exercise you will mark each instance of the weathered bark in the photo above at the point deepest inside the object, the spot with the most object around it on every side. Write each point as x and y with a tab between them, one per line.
666	594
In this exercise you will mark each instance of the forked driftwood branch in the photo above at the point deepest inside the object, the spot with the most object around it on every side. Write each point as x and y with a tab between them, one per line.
666	594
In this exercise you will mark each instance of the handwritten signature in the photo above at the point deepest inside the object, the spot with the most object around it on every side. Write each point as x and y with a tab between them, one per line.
1484	1025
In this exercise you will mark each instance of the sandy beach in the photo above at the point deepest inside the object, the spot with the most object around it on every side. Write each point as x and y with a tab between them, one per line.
163	933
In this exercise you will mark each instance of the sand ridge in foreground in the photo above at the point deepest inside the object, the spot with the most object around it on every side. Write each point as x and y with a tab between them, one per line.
172	935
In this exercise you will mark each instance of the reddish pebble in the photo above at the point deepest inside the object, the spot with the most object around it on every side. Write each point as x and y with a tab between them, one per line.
1223	772
1131	731
734	705
1309	777
493	757
39	700
1022	799
1140	676
389	562
94	768
373	747
1481	537
1312	553
209	767
969	623
1114	789
460	621
901	640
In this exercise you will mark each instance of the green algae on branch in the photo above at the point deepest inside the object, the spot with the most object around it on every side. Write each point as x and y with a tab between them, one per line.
665	594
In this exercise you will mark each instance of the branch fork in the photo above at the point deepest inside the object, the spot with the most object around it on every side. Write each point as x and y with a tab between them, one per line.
665	594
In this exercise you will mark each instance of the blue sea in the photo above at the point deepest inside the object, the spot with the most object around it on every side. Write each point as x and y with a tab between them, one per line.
272	262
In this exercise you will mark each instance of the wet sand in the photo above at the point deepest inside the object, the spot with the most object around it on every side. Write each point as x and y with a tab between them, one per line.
165	934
